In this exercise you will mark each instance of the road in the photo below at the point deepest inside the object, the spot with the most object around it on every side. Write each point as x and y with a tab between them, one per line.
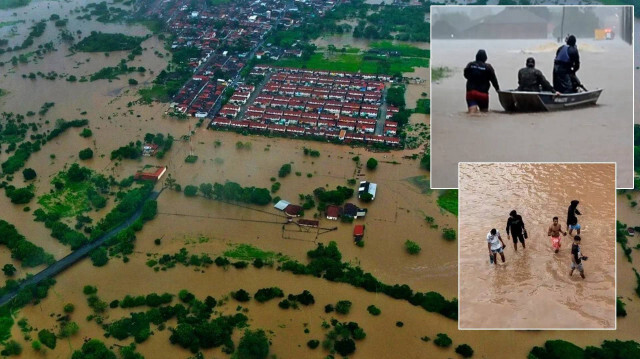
383	114
76	255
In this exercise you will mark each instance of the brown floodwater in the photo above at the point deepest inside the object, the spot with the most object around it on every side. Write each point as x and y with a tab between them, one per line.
397	214
532	289
596	133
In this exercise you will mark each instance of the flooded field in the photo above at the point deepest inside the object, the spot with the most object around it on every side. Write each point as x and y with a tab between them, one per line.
347	40
205	226
555	136
532	289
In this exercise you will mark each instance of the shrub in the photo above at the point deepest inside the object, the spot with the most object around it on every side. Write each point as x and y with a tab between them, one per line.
284	170
399	324
47	338
620	311
329	308
372	163
36	345
12	348
345	347
343	307
29	174
241	295
373	310
20	195
133	82
190	190
9	270
284	304
412	247
253	345
312	344
69	308
86	133
265	294
99	257
449	234
86	154
464	350
89	289
442	340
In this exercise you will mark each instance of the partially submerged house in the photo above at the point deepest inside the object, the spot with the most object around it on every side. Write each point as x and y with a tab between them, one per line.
332	212
367	187
353	211
151	175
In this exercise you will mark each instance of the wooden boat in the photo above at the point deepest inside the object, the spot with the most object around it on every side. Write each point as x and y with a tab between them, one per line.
523	101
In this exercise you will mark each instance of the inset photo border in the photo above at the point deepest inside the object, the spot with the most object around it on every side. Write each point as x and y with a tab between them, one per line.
529	126
543	277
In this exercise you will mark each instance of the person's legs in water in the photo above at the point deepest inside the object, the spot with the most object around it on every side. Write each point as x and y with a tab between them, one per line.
477	101
521	239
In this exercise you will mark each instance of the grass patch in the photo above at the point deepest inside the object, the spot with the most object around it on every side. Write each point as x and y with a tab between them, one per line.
247	252
422	182
403	49
70	201
356	62
3	92
448	200
440	72
9	23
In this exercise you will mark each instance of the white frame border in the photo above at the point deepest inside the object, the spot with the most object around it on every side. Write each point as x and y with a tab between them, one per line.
633	82
615	253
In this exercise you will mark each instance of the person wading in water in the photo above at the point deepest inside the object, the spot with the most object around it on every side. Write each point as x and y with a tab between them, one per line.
516	225
480	76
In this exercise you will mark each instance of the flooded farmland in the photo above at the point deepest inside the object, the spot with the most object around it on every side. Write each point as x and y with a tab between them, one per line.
532	289
206	226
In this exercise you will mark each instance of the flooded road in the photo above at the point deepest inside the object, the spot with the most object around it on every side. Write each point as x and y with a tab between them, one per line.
532	289
600	133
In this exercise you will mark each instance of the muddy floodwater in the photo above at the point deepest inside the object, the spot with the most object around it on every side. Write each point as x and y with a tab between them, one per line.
532	288
595	133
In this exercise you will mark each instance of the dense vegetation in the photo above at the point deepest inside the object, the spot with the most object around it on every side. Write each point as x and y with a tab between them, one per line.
28	253
10	4
231	191
560	349
170	81
326	262
105	42
448	200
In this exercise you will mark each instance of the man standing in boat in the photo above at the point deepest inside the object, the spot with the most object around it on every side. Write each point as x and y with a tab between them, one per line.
480	76
532	79
565	66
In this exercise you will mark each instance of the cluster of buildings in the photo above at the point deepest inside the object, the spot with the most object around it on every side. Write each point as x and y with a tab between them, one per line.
228	35
334	105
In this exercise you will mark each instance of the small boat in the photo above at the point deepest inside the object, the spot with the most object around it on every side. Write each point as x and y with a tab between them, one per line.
523	101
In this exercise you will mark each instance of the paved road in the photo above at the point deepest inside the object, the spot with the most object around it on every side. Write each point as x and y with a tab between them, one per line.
75	256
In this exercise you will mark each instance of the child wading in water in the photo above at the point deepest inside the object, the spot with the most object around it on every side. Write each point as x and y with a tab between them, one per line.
577	257
554	232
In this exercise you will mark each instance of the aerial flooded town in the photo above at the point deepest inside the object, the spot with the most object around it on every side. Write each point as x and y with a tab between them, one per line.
243	179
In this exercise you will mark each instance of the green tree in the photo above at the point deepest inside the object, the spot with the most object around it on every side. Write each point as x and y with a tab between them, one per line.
9	270
253	345
93	349
99	257
465	350
85	154
372	163
29	174
345	347
133	82
412	247
190	190
284	170
12	348
47	338
443	340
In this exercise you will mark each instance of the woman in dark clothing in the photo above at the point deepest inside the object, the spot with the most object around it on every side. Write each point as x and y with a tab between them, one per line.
480	76
515	225
572	220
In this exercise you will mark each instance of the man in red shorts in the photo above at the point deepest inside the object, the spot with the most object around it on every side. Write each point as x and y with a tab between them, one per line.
480	76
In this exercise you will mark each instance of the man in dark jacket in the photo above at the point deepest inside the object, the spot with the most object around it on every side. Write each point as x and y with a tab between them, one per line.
572	220
515	225
565	66
480	76
532	79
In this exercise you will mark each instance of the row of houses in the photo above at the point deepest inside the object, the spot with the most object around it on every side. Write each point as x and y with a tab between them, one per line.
342	95
264	69
330	133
